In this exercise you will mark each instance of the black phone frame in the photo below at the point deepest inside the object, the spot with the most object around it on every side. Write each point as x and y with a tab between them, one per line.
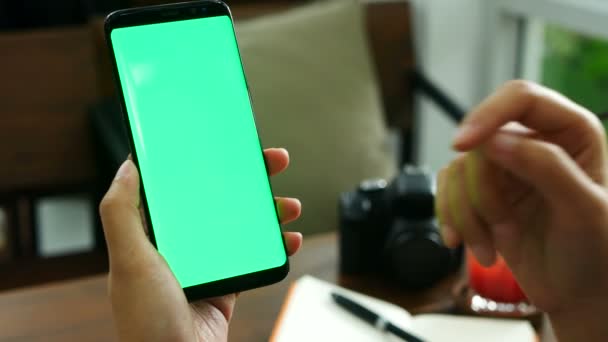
176	12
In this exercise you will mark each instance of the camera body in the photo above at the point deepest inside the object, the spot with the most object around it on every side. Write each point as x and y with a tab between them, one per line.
389	230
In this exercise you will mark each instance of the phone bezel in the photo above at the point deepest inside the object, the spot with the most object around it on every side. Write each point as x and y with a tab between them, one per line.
177	12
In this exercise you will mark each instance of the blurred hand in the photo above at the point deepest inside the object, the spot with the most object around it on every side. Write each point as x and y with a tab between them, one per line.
148	304
531	184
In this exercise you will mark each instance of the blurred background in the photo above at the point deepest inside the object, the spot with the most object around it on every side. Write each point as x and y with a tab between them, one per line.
470	47
61	141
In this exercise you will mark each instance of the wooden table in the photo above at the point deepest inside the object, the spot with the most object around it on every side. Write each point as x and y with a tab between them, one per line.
79	310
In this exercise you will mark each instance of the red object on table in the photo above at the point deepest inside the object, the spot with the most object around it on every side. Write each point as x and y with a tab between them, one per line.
495	282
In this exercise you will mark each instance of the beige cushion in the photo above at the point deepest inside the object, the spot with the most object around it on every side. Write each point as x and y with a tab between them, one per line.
314	92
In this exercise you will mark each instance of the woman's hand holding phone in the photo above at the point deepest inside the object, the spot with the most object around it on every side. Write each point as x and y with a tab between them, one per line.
148	303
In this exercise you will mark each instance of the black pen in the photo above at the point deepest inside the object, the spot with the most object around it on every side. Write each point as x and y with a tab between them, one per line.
373	318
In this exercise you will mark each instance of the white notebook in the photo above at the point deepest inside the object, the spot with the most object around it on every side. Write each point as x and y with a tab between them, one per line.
309	314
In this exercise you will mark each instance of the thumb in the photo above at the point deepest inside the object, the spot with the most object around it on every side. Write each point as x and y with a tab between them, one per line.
122	225
544	166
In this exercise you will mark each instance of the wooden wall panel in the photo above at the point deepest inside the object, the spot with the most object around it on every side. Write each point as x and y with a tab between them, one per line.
48	82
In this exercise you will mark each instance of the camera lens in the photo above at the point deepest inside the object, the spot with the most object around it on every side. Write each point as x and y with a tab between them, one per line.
414	254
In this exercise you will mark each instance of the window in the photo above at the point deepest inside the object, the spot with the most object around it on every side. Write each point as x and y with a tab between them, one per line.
577	66
562	44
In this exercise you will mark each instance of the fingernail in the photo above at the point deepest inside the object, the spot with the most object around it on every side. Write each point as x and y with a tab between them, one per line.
504	142
124	169
483	254
450	238
464	132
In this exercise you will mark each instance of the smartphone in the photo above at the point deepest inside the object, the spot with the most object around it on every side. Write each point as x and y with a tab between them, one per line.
204	183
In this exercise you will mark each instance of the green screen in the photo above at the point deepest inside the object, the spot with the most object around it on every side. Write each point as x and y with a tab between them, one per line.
200	159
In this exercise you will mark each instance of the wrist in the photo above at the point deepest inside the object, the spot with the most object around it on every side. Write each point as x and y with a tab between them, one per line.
583	321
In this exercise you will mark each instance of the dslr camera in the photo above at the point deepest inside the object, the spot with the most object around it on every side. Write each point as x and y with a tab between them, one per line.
389	230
